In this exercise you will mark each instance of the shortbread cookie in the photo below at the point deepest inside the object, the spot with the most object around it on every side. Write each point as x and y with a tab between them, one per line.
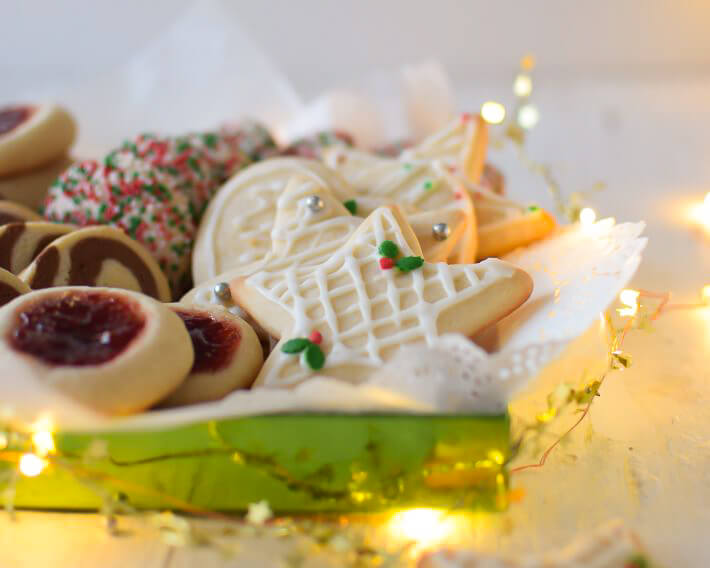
11	287
97	256
351	313
32	136
235	230
30	188
113	350
21	243
228	355
135	197
504	225
11	212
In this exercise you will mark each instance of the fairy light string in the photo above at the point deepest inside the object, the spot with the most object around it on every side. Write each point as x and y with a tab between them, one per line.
637	316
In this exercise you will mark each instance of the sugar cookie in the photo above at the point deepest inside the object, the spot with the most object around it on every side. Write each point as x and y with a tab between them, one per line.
228	355
21	243
11	287
235	230
97	256
504	225
462	145
11	212
102	347
301	236
351	313
31	136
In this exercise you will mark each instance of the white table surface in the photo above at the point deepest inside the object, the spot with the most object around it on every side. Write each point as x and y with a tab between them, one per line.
644	454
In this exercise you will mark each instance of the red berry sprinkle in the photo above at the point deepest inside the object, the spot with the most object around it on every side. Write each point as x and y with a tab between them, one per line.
386	263
315	337
458	195
465	117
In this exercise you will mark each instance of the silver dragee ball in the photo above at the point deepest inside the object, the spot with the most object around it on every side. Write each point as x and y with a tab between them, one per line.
315	203
440	231
222	291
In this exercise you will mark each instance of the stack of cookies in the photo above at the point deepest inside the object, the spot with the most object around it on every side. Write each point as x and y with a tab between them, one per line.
315	260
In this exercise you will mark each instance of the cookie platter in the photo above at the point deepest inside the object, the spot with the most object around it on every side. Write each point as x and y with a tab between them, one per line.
214	319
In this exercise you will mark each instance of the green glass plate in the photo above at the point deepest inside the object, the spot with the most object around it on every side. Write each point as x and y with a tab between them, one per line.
297	462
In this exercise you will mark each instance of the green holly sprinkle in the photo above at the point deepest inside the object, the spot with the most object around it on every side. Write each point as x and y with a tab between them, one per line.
407	166
351	205
388	249
428	184
409	263
295	345
314	356
533	208
210	140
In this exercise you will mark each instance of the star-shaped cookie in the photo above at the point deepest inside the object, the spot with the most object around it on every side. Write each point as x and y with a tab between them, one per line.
369	298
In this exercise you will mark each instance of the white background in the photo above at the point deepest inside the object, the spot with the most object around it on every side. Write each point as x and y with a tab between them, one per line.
624	92
319	42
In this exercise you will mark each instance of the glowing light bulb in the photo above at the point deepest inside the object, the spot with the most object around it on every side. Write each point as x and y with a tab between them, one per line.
4	440
522	86
43	442
527	62
31	465
705	210
528	116
493	112
630	300
705	294
587	216
426	528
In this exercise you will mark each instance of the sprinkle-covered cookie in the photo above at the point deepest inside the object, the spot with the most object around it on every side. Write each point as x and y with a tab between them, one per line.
131	195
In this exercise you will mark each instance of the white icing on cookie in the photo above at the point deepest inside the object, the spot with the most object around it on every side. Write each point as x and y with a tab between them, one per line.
364	312
236	227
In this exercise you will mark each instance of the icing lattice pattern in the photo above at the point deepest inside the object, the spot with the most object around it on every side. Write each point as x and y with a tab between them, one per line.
366	313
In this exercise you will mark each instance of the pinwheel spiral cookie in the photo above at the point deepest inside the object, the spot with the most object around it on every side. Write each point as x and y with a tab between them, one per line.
100	346
21	243
236	228
10	287
31	136
352	312
228	355
97	256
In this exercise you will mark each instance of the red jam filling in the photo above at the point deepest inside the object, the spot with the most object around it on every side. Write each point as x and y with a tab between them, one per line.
77	328
214	341
12	117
